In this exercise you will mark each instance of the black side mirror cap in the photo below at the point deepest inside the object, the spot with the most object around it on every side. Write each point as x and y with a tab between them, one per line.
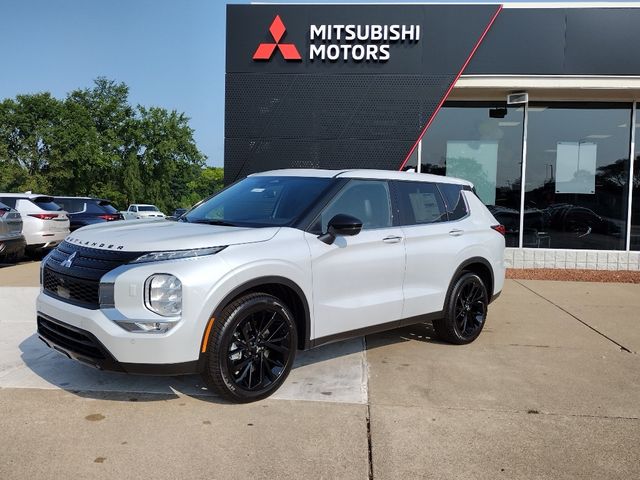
341	224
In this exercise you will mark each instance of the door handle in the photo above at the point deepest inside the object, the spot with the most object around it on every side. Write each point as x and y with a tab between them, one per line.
392	239
456	232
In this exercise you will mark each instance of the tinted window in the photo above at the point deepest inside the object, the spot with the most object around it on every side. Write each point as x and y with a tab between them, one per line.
261	201
147	209
9	201
71	205
420	203
367	200
107	206
577	176
482	143
454	201
635	209
46	203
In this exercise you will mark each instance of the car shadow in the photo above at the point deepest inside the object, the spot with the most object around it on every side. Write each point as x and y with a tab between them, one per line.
53	369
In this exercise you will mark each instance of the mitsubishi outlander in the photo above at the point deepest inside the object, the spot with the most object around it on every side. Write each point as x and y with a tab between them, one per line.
278	262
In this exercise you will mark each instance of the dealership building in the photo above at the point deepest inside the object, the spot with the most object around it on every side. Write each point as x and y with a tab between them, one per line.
534	103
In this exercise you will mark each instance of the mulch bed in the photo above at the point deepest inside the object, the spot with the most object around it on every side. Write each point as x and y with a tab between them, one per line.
607	276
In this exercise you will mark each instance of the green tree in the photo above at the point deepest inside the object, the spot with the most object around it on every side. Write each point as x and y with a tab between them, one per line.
93	142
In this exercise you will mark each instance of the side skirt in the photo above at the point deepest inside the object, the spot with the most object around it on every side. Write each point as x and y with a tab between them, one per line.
360	332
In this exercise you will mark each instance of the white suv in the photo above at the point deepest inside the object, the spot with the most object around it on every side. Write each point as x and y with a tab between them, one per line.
45	224
278	262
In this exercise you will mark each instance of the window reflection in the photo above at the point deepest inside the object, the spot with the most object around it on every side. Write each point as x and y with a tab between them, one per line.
635	207
482	143
577	176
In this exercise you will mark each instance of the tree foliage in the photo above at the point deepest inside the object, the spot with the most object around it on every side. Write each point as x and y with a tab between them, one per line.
94	143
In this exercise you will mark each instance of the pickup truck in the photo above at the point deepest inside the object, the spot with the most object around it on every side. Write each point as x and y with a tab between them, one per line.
138	211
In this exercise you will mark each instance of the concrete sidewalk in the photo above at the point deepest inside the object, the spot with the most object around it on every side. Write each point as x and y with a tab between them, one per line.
551	389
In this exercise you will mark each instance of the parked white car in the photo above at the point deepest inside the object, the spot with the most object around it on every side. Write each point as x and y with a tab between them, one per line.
278	262
12	242
45	224
141	211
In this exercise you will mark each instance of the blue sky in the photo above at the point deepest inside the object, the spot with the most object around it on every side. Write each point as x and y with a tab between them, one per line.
169	52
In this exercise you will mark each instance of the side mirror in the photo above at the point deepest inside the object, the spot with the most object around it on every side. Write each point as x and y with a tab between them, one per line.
341	224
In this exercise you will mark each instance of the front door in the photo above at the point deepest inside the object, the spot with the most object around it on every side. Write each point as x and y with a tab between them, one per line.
357	281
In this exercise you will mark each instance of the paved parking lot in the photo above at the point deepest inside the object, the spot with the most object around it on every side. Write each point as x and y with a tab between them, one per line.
551	389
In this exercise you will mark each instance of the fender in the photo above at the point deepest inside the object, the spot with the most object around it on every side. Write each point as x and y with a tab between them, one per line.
465	264
261	281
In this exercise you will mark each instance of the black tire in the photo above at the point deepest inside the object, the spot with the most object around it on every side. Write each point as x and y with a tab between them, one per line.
465	311
251	348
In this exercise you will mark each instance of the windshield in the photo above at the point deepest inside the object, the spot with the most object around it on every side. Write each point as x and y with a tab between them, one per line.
147	209
260	202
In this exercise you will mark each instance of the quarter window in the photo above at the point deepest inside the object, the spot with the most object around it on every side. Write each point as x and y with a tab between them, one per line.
454	201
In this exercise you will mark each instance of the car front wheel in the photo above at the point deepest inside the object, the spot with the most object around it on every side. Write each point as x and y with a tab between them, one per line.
251	348
465	311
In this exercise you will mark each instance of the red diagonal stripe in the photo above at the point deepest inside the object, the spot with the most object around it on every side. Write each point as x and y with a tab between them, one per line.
264	51
448	92
289	51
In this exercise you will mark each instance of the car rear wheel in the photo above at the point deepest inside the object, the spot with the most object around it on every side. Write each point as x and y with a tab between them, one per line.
465	311
251	348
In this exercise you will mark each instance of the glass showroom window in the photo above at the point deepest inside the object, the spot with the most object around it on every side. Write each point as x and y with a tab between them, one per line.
635	208
482	143
577	176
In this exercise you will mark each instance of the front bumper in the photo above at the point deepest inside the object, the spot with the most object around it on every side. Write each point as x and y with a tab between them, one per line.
83	346
94	339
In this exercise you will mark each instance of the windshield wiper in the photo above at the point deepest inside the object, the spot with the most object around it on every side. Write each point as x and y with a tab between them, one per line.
214	222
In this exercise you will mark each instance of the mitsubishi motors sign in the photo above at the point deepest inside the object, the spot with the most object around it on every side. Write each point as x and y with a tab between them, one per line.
358	43
369	43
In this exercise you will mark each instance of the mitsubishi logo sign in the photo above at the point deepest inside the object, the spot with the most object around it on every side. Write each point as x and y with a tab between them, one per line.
288	50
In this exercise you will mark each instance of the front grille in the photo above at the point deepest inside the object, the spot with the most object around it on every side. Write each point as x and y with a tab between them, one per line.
74	341
78	291
79	283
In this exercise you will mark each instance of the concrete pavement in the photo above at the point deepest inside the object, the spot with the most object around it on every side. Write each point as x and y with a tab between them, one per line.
551	389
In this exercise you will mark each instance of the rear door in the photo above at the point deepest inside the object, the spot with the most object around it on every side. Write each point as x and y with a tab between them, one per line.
357	281
433	229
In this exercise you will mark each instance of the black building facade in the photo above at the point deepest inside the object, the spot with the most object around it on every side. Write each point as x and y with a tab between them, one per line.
426	88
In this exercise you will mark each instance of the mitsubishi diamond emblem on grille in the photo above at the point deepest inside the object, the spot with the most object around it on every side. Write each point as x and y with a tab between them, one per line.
67	263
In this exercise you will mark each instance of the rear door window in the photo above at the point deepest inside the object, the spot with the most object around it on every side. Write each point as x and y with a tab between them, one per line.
70	205
420	203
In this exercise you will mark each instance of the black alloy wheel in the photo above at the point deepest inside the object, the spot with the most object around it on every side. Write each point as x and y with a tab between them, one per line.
470	308
251	348
465	312
259	350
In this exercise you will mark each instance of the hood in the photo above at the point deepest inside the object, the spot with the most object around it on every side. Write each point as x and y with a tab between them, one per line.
157	236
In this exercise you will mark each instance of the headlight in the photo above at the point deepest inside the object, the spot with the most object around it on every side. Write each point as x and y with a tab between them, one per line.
177	254
163	294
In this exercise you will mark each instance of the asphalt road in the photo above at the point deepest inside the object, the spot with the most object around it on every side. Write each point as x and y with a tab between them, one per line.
551	389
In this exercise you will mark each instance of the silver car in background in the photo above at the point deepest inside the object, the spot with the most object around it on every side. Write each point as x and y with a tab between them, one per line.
45	223
12	242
